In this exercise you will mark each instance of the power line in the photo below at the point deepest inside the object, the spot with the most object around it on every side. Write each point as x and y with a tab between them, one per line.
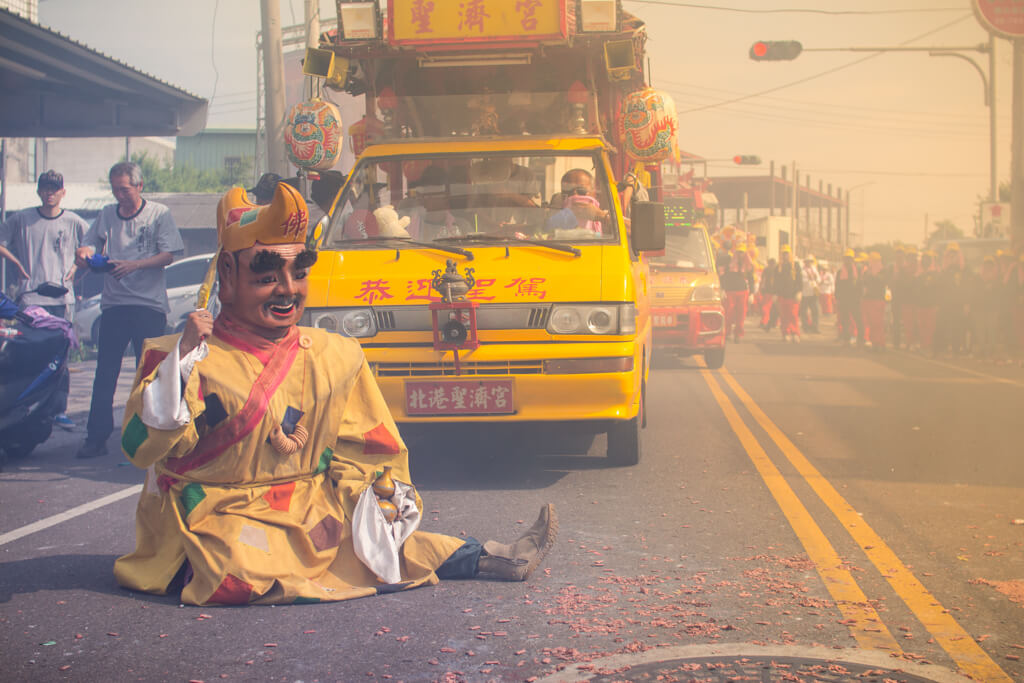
823	73
702	89
894	173
796	10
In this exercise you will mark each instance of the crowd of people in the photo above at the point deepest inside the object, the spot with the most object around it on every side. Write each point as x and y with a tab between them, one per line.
920	301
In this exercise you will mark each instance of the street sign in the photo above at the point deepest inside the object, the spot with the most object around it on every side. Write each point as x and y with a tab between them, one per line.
995	219
1003	17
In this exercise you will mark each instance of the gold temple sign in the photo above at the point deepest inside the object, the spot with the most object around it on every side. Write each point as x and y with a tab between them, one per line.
450	21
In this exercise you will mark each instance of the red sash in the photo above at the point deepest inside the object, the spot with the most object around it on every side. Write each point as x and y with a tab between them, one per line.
277	357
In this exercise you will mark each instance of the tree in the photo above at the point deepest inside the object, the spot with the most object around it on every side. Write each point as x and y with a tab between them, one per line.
945	230
163	177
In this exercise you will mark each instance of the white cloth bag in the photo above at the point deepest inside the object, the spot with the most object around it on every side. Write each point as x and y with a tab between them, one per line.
377	540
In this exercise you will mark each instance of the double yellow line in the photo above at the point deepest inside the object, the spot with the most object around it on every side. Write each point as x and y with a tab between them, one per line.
865	624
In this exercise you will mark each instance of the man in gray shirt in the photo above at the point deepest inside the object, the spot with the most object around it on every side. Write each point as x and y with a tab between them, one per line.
41	242
138	239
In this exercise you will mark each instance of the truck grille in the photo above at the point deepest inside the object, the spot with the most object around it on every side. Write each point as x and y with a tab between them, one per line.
446	369
488	317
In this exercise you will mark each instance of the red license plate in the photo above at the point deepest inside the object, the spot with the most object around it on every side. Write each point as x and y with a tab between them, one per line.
662	320
460	397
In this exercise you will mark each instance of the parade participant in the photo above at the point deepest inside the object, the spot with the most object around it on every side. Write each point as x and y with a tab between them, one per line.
849	323
766	294
985	301
828	288
737	280
1015	290
789	289
267	446
952	287
135	238
903	308
926	301
811	291
42	243
873	284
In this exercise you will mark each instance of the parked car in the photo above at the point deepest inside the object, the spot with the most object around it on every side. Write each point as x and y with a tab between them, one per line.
183	280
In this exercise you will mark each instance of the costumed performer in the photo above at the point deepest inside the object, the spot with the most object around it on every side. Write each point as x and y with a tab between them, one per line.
262	441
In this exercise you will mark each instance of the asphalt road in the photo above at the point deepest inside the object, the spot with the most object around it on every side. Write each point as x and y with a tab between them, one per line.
809	509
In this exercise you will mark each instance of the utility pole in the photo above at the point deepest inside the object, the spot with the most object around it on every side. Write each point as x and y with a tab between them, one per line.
1017	164
796	209
312	20
273	79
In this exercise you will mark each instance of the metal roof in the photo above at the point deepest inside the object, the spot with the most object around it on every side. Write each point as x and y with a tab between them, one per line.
54	86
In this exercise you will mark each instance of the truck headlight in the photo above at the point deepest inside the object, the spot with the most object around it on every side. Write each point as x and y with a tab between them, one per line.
351	322
592	319
710	293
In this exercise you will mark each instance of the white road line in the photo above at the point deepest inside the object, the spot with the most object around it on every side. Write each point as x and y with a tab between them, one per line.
69	514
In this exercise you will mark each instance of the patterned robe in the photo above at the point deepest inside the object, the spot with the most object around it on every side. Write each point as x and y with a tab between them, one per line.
253	525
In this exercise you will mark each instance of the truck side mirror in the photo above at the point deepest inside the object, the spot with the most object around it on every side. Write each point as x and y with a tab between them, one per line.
647	232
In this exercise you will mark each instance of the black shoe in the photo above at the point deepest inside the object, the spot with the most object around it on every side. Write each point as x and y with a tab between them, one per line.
92	449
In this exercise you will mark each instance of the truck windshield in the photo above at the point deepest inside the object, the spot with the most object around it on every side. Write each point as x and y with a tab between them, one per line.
561	198
685	249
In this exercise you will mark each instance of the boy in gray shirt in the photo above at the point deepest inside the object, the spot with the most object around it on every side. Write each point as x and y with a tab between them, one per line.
41	243
138	239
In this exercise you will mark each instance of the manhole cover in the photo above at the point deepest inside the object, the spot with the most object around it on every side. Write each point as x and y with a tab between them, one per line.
746	662
750	668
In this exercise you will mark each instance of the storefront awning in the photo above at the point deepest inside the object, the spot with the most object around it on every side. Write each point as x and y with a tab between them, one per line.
55	87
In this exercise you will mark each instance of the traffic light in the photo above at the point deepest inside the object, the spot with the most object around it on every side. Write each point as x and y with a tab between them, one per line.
747	159
775	50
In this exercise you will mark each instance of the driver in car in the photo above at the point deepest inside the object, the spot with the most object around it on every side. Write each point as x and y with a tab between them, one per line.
579	205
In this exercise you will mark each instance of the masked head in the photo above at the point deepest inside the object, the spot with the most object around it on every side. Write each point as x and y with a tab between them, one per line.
264	260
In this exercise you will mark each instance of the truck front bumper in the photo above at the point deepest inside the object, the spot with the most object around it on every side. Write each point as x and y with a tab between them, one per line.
689	329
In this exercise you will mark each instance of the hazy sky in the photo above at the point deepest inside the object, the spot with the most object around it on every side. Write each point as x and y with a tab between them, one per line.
908	131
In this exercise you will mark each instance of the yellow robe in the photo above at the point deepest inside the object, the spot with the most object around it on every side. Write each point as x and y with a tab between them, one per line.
256	526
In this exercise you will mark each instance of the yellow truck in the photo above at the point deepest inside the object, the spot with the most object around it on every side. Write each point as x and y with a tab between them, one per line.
478	249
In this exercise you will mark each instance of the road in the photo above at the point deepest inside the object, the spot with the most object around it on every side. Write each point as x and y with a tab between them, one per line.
811	511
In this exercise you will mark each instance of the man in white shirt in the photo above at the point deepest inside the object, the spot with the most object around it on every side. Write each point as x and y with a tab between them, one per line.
138	239
809	300
41	243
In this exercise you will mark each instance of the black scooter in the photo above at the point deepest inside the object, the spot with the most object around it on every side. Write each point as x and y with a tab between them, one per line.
34	378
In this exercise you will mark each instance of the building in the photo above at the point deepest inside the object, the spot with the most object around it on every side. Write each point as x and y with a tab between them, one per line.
217	149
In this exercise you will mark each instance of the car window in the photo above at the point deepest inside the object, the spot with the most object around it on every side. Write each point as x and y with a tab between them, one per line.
187	273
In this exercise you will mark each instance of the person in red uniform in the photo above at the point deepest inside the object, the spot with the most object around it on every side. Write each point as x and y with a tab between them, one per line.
873	282
788	289
1015	294
766	294
904	332
737	280
926	302
953	286
848	320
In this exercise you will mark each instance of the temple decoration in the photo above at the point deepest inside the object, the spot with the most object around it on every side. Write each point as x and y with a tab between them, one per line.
363	132
577	96
648	125
454	316
313	135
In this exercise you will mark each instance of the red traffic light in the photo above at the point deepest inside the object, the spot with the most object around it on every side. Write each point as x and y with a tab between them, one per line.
747	159
775	50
